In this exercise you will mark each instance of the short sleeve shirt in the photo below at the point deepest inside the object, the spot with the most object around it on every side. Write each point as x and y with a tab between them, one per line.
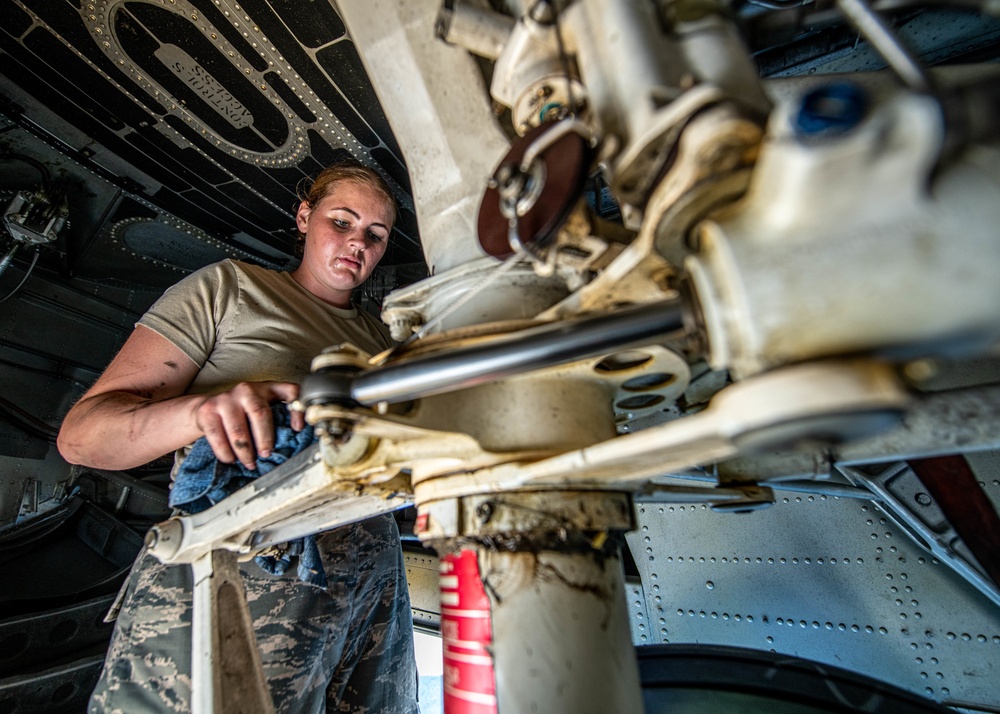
243	323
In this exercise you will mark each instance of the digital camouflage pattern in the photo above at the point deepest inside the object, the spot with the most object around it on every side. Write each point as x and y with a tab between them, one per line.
344	648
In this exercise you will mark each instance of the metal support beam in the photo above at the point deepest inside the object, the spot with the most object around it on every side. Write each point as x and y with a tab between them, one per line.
953	422
507	355
302	497
436	101
533	603
536	632
226	672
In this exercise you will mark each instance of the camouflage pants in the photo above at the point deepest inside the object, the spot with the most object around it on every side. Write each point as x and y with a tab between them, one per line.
344	648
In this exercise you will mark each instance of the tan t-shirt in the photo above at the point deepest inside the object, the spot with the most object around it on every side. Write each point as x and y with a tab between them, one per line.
243	323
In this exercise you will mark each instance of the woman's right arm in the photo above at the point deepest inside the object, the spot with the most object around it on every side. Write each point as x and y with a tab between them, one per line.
138	411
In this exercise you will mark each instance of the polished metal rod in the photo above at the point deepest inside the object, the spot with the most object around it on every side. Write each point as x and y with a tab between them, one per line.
874	29
511	354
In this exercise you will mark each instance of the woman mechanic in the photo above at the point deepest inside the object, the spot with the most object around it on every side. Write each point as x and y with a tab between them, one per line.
207	360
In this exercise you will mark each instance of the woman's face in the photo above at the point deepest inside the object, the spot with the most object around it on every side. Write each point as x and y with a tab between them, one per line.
347	233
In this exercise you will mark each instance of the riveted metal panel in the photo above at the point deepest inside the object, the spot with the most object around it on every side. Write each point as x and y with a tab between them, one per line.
825	578
638	613
422	579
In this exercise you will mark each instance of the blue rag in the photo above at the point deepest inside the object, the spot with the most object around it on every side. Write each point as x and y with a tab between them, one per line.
202	481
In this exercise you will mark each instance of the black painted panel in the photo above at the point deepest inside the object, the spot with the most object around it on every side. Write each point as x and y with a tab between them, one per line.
74	76
254	176
13	20
392	166
129	208
151	144
313	23
65	20
407	221
289	97
342	63
302	63
230	32
322	150
210	86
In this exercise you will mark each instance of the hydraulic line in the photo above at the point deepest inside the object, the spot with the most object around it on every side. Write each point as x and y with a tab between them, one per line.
527	350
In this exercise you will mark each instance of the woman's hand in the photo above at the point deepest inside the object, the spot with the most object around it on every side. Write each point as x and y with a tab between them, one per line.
238	423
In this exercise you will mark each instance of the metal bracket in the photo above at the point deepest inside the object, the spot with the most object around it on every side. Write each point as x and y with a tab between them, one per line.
32	220
895	489
299	499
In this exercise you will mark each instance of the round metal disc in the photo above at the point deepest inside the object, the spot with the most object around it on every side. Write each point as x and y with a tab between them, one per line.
566	162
